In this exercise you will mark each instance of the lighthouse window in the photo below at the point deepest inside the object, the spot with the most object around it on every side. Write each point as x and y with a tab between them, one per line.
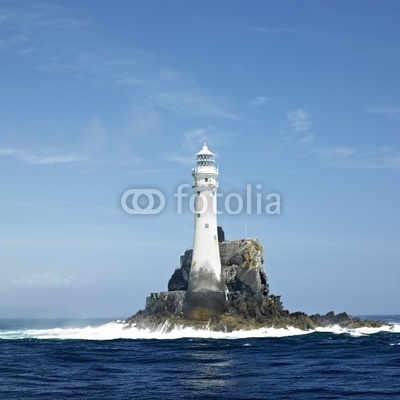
198	192
206	179
207	226
198	215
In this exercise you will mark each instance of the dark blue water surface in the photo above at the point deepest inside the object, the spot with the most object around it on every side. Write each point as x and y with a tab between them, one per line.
312	366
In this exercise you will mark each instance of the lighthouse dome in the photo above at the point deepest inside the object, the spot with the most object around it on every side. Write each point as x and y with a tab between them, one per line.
205	151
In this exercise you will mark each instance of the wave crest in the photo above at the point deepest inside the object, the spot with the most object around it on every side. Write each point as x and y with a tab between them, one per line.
120	330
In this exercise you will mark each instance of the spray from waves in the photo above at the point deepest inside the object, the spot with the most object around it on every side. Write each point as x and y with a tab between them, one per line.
119	330
336	329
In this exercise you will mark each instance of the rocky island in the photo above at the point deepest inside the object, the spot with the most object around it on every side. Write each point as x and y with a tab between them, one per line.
250	305
220	284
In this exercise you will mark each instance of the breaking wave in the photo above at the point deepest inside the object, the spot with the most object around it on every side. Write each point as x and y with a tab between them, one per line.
119	330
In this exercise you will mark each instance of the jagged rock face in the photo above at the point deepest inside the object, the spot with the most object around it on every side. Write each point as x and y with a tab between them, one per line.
250	305
244	276
165	303
180	277
246	281
243	270
242	267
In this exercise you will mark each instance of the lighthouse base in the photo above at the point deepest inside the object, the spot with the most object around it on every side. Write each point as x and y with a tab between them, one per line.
201	306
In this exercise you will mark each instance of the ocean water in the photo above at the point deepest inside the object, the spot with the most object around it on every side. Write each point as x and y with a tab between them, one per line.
99	359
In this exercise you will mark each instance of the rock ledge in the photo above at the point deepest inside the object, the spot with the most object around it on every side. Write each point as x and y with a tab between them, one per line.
250	304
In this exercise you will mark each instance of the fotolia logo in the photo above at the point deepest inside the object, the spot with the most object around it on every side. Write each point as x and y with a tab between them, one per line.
140	201
150	197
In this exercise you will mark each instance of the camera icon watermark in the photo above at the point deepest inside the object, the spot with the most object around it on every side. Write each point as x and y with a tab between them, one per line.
140	201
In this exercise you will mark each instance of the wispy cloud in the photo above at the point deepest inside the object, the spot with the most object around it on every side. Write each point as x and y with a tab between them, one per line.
263	29
58	42
258	101
337	156
236	24
194	140
197	136
356	158
42	159
48	279
24	24
331	154
299	120
308	138
142	120
94	137
393	112
192	102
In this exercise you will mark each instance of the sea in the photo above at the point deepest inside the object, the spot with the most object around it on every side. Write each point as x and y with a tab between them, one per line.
103	359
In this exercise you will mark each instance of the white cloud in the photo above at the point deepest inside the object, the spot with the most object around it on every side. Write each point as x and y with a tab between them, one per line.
52	40
307	139
13	41
356	158
393	112
339	156
299	120
272	30
258	101
143	121
192	102
332	152
46	158
47	279
94	137
197	136
194	140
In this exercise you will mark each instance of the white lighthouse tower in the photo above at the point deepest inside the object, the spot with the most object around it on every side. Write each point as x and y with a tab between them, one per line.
205	296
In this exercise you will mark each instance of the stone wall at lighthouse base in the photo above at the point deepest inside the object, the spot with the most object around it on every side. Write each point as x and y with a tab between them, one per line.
202	306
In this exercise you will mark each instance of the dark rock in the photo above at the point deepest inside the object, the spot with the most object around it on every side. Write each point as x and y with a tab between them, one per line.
180	277
250	305
237	259
343	320
245	281
178	281
166	303
221	234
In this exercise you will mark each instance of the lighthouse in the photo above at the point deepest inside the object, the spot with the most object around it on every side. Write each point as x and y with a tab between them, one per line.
205	296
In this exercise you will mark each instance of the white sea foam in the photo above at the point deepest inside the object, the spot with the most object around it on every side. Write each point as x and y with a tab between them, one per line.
119	330
336	329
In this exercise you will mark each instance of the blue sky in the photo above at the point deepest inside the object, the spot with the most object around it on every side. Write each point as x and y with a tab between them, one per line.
300	97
